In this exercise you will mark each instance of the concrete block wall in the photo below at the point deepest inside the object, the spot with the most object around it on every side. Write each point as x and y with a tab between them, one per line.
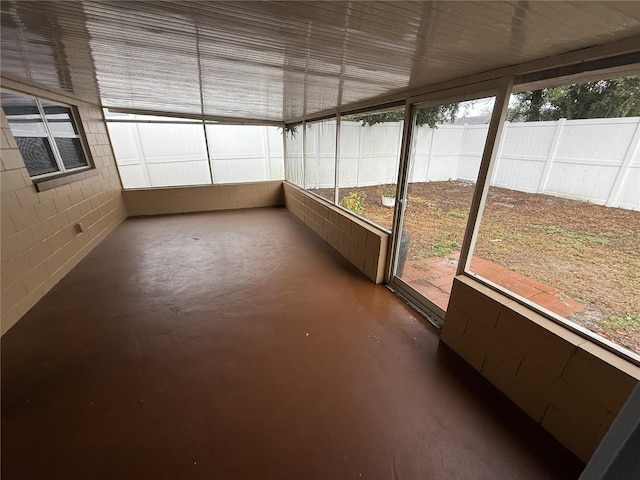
571	386
40	244
156	201
362	244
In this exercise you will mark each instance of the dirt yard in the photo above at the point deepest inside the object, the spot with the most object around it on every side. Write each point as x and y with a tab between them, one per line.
590	252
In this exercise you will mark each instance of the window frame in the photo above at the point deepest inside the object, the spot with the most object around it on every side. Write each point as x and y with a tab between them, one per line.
513	85
62	171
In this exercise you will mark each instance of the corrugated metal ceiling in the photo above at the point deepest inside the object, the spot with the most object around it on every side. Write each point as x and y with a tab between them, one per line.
281	60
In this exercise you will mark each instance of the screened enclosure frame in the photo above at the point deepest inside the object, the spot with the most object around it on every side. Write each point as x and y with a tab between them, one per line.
163	118
540	74
491	88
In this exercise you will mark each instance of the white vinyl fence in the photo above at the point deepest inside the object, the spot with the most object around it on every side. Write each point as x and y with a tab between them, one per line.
590	160
174	154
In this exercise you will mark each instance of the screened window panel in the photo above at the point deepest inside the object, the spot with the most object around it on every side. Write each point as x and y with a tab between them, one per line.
37	155
71	152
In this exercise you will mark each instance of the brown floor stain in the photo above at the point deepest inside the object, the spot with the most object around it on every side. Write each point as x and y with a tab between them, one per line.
238	345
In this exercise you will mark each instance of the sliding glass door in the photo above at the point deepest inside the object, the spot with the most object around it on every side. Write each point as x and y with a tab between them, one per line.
447	143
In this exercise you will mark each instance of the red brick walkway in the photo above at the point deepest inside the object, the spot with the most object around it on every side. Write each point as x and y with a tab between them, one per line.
433	278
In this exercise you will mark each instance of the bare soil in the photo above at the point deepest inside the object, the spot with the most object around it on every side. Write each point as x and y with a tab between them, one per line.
587	251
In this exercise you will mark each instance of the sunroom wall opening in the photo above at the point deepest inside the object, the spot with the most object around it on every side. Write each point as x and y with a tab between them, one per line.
447	144
320	158
561	219
156	151
473	224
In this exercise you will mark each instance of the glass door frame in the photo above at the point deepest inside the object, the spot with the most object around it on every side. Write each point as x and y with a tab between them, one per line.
500	89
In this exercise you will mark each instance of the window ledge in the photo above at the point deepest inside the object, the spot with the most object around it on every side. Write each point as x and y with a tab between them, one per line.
50	183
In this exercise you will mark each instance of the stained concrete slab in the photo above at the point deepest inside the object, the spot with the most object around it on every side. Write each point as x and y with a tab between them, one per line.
238	345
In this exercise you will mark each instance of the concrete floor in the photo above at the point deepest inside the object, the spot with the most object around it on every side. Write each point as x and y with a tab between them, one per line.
238	345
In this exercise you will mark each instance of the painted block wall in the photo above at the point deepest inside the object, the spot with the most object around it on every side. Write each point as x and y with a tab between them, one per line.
158	201
362	244
571	386
40	244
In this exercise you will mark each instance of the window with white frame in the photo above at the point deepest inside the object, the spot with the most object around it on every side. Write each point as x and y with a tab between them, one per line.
46	133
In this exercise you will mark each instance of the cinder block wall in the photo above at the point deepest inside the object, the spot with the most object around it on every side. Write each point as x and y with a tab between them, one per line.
360	243
156	201
569	385
39	242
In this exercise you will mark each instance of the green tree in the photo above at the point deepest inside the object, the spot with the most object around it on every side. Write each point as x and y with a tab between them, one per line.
425	116
617	97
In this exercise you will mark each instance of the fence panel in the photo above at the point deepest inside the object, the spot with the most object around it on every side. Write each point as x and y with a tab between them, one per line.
629	196
471	149
589	157
174	154
379	154
129	155
444	155
321	157
295	162
525	150
591	160
349	154
238	153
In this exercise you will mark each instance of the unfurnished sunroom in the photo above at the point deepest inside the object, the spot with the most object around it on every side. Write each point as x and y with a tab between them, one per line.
438	206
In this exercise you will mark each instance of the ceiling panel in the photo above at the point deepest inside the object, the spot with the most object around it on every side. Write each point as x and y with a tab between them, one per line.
280	60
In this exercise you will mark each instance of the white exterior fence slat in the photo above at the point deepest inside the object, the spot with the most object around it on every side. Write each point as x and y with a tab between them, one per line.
596	160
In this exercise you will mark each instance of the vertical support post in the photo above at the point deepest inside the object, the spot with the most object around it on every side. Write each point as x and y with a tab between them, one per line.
400	135
482	186
496	165
143	159
336	189
464	135
206	145
285	160
304	154
360	142
632	152
265	146
433	134
401	191
316	153
551	155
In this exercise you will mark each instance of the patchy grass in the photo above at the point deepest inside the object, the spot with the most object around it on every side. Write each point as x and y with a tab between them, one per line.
626	319
600	238
458	213
443	248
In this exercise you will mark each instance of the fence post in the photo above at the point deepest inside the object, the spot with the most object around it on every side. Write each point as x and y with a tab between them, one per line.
394	179
266	149
304	154
285	160
624	168
464	134
494	172
360	146
143	158
316	150
433	134
552	153
336	162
